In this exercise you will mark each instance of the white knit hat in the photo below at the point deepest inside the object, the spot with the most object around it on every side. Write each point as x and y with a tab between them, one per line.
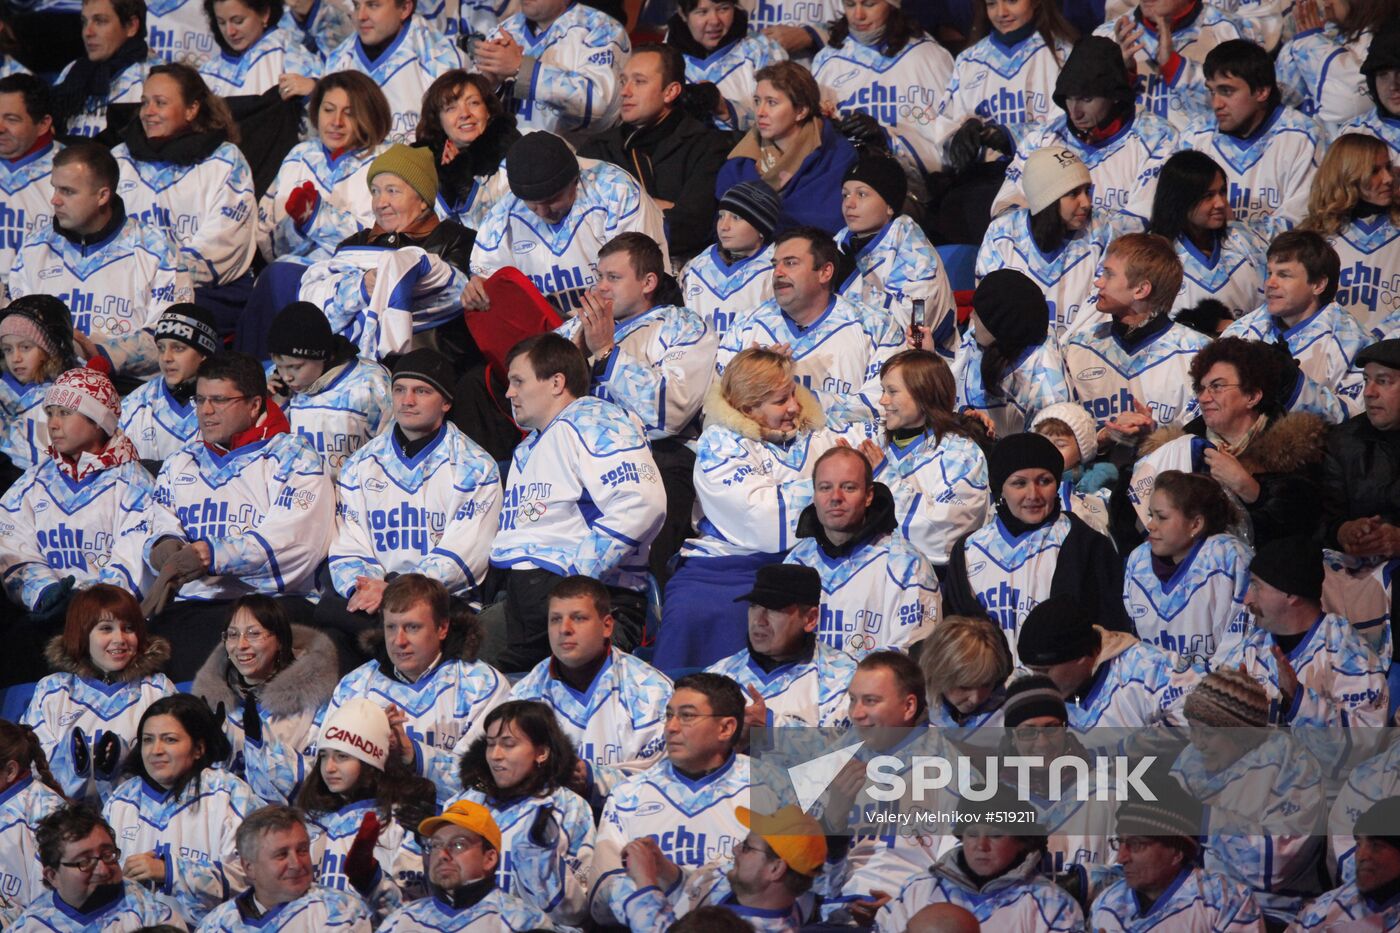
1086	433
1051	173
360	729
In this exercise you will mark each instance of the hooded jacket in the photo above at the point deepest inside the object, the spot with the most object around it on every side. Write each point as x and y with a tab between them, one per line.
1360	476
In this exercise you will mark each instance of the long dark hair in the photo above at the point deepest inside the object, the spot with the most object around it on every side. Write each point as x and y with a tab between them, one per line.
270	614
199	723
1184	181
273	9
18	743
396	791
1048	228
536	722
899	31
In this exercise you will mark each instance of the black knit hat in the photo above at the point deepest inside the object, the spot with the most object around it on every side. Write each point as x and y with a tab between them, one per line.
301	330
1381	821
539	165
1293	565
882	173
191	325
1023	452
1174	813
755	202
1384	53
429	366
1057	630
1094	69
1012	309
1032	696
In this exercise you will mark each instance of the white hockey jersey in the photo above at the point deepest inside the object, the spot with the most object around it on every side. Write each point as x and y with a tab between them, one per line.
654	909
940	491
398	856
811	15
342	411
22	805
257	69
808	692
25	195
1197	901
1324	346
135	909
1270	173
583	497
1198	612
497	912
1369	285
126	87
1134	684
1384	127
1032	382
1369	782
1347	908
719	291
179	31
319	910
327	24
731	70
1232	274
156	423
1108	375
344	207
24	429
898	267
1320	74
1020	900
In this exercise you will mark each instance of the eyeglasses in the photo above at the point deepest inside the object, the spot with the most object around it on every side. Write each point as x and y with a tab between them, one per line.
88	863
1131	843
689	717
454	846
1029	734
251	636
745	847
1215	388
218	401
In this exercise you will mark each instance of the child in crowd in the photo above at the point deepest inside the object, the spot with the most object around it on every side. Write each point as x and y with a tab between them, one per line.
1086	484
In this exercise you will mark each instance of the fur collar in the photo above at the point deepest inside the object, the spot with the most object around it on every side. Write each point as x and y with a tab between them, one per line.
147	663
718	411
1294	442
306	684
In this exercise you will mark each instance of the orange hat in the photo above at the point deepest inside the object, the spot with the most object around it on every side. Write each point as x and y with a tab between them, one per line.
469	816
794	837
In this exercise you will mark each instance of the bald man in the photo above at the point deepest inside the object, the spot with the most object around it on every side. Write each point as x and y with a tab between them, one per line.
943	918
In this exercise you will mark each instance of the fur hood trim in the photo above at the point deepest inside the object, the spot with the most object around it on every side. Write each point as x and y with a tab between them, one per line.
306	684
718	411
146	664
1293	442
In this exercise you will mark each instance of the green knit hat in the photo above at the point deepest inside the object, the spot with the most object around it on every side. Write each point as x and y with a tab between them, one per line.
413	165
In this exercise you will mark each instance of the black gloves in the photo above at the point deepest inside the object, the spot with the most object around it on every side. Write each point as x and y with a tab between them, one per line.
544	832
252	722
53	601
863	130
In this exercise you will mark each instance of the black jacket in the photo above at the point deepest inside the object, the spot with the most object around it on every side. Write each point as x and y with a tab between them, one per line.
683	166
1360	476
450	241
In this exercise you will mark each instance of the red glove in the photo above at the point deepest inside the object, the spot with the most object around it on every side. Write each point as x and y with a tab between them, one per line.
301	203
359	862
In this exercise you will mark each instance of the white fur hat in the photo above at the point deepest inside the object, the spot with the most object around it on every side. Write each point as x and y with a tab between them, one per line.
360	729
1086	433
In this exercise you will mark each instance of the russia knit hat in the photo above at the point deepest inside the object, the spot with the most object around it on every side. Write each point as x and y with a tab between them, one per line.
1094	69
1292	564
1056	630
539	165
191	325
882	173
1077	417
1174	813
89	393
1031	696
1051	173
427	365
301	330
1023	452
413	165
755	202
360	729
43	319
1228	698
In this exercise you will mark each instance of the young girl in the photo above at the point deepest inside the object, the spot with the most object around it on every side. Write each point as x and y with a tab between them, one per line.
519	769
36	337
177	816
1185	586
28	793
1085	486
86	715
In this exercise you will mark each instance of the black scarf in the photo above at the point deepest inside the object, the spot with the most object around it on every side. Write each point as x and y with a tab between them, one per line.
183	392
112	226
186	149
87	79
640	142
879	519
411	449
469	894
1134	337
483	157
805	652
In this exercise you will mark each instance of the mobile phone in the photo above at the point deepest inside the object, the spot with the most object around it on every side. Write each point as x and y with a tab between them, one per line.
918	319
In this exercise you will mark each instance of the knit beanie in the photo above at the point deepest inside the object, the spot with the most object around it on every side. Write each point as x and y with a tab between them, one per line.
413	165
360	729
755	202
1173	813
43	319
190	324
1022	452
1012	309
1032	696
882	173
1086	434
1384	54
1381	821
427	365
301	330
539	165
1057	630
1228	698
1094	69
1050	174
1292	565
89	393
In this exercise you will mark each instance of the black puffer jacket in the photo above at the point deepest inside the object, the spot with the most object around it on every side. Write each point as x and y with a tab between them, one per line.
1360	476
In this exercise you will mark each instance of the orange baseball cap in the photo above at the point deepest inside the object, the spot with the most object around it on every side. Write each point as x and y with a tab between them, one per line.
794	837
469	816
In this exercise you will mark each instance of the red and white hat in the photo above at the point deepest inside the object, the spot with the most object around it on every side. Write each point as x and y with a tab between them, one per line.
89	393
360	729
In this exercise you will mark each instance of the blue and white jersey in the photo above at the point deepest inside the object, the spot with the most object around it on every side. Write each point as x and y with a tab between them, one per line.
1010	574
810	692
1384	127
659	368
940	491
980	729
838	356
116	290
902	92
1196	902
552	878
693	822
265	510
328	23
136	909
1324	345
1032	382
497	912
26	191
403	71
444	708
11	66
1178	94
434	513
1346	907
52	527
1341	679
1232	273
616	724
1270	173
470	209
344	207
731	69
1108	376
157	424
192	833
1369	782
719	291
342	411
1123	168
1010	86
1066	276
24	431
22	805
126	86
179	31
561	260
568	81
583	497
1135	684
400	862
206	208
898	266
1020	900
1274	785
883	594
257	68
812	15
1320	74
1369	286
319	909
1198	612
708	886
1263	21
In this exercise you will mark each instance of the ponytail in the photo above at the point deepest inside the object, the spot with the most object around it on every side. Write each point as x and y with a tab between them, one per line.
19	743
